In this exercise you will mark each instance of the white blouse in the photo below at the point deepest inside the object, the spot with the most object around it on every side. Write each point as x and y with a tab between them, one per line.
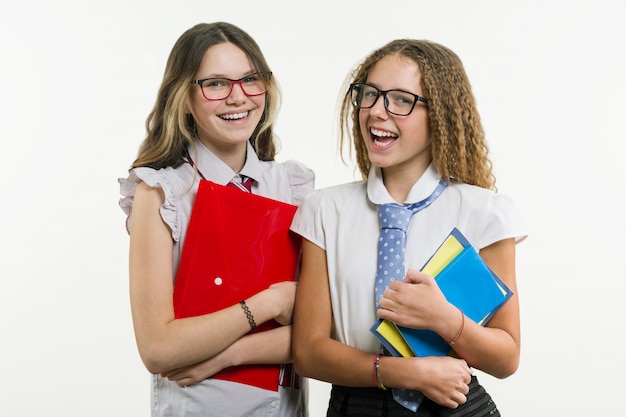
343	220
289	182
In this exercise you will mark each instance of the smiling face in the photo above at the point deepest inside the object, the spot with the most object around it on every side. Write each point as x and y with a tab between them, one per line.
224	126
396	143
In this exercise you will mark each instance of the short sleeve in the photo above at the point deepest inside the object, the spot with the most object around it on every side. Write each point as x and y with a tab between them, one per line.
504	221
307	222
153	178
301	180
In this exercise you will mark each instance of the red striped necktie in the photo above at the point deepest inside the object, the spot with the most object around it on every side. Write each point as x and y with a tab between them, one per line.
240	182
244	185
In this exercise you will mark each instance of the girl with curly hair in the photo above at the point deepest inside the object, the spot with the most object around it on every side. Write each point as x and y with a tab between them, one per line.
418	139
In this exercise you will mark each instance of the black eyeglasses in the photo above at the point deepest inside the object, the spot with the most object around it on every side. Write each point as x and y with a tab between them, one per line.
398	102
220	88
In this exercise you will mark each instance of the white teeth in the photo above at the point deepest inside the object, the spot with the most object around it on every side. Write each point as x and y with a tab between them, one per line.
381	133
234	116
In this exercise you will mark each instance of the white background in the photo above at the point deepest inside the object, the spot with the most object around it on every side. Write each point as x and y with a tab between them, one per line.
78	78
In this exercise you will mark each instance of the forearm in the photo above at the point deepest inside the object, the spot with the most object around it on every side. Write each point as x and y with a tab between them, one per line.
334	362
337	363
491	349
168	344
268	347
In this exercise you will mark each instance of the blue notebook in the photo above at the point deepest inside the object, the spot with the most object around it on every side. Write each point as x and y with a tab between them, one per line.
466	281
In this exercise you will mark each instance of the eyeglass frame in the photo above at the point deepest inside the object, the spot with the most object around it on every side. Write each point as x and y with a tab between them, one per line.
385	99
267	75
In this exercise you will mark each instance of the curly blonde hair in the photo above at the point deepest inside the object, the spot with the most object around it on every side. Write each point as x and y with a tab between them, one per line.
170	129
459	149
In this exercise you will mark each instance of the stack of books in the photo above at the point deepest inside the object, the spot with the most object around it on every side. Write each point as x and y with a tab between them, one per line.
466	281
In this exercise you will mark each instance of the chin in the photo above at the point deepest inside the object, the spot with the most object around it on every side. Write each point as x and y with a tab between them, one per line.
380	161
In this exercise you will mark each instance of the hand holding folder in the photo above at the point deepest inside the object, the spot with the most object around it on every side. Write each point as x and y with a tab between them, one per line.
466	281
237	245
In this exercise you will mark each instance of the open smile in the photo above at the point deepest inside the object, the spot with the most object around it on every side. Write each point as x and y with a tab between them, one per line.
381	138
234	116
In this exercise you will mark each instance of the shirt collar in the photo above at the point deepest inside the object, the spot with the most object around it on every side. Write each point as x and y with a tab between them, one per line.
252	166
378	194
215	170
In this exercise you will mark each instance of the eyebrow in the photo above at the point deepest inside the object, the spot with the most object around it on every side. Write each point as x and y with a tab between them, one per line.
246	73
393	89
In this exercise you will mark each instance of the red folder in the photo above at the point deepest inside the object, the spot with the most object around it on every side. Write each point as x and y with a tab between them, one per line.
237	245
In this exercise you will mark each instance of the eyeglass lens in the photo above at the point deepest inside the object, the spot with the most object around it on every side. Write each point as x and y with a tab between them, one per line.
220	88
397	102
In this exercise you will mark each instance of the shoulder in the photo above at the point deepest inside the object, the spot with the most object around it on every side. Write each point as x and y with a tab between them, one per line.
322	209
297	171
471	191
336	194
333	199
300	177
176	185
493	215
474	197
171	180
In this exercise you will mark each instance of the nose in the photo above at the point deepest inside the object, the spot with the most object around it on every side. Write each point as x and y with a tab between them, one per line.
378	109
236	92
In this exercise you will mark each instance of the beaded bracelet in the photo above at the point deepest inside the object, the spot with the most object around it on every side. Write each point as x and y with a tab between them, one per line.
379	383
248	314
453	341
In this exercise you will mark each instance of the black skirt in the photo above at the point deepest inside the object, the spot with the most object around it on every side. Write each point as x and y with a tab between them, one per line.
374	402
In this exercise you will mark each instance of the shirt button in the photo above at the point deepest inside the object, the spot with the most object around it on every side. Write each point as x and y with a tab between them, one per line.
218	281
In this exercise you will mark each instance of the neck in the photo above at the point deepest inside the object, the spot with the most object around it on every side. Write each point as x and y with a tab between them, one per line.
233	155
399	180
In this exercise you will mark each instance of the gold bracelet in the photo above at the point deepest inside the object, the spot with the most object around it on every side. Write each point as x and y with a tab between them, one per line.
248	314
